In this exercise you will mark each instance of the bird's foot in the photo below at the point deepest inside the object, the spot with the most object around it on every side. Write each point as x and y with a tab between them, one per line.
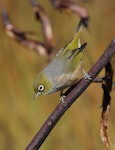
86	75
62	97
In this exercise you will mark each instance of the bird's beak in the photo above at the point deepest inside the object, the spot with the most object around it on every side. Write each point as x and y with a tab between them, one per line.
36	95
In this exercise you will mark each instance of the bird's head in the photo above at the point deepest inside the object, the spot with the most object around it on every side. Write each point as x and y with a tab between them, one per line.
42	85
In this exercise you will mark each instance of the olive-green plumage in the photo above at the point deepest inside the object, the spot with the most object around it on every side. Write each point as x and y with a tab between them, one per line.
64	70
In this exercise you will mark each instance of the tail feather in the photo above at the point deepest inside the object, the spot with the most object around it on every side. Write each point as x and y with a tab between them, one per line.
79	26
75	42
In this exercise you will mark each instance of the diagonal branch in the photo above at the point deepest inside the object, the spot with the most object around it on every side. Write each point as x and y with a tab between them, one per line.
72	95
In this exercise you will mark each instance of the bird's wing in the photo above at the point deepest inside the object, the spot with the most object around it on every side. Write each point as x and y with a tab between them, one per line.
71	58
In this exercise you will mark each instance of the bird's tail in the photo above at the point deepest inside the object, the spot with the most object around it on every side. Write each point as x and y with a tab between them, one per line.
75	42
76	38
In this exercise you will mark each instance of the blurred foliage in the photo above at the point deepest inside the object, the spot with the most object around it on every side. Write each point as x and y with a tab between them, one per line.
20	116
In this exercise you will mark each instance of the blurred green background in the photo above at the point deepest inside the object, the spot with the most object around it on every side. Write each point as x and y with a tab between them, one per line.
20	116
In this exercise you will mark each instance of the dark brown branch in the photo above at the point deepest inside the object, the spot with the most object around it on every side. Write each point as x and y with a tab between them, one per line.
73	94
74	7
107	87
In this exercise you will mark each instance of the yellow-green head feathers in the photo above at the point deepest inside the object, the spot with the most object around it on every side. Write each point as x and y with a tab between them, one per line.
64	69
42	84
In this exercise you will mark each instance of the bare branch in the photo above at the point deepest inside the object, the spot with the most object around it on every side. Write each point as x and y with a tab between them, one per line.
46	25
74	7
107	87
72	95
47	46
105	122
22	36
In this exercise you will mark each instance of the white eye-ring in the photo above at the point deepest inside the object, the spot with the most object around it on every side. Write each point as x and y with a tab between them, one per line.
41	87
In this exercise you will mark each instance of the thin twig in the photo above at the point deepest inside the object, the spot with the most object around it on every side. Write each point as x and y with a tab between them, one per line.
70	98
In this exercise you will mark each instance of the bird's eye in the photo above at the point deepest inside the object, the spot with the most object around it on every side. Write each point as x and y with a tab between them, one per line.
41	88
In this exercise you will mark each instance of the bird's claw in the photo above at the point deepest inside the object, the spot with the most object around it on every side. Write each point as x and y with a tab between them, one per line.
86	75
62	99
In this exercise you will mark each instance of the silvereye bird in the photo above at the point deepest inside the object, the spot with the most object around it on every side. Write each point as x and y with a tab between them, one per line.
64	70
